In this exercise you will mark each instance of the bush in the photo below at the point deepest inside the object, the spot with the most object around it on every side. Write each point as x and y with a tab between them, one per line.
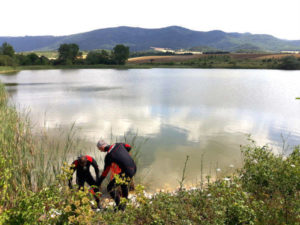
273	180
6	60
95	57
289	63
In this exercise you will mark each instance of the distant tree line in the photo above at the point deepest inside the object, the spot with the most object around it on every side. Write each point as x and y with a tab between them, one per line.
150	53
69	54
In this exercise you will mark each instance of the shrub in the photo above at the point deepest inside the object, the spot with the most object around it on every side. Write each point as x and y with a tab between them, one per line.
289	63
6	60
274	180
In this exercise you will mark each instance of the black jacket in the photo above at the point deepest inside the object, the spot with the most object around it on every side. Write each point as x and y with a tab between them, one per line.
119	154
83	173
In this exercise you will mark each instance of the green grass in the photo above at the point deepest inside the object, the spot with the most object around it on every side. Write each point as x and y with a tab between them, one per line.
51	67
223	62
8	69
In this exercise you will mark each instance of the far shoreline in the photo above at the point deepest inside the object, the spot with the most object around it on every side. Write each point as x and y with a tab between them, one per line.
8	70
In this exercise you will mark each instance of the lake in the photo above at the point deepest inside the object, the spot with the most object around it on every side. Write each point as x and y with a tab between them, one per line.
203	113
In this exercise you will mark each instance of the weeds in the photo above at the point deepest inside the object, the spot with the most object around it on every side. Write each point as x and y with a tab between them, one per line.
183	174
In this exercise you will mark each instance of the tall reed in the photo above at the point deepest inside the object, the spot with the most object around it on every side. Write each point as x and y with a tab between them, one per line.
29	162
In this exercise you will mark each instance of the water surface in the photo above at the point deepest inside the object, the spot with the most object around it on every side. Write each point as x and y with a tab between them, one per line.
196	112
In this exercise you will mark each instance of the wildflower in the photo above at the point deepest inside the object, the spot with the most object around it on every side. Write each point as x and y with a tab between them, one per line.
54	213
111	203
85	200
71	219
77	203
57	212
293	166
218	170
80	218
68	209
78	211
227	179
231	165
208	195
255	161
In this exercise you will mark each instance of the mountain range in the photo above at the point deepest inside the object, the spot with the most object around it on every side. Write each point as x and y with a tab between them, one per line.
141	39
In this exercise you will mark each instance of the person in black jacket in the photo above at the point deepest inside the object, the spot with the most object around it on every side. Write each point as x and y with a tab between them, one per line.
117	153
82	167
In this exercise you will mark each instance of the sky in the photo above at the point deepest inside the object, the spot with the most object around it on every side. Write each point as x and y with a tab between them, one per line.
280	18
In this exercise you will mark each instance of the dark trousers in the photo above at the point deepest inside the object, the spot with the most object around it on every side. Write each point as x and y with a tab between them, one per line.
114	190
90	180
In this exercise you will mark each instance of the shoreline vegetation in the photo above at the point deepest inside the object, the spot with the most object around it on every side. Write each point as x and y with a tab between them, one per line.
68	56
204	62
34	190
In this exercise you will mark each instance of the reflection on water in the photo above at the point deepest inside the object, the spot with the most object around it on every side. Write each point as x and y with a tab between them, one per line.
194	112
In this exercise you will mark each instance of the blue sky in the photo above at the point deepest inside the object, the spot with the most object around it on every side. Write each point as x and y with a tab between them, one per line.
62	17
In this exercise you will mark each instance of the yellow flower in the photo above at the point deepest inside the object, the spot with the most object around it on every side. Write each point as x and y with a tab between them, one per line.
71	219
78	211
80	218
68	208
91	213
85	200
77	203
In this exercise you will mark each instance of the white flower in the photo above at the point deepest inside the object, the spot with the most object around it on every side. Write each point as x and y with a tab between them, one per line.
54	212
293	165
227	179
208	195
148	195
255	161
231	165
111	203
218	169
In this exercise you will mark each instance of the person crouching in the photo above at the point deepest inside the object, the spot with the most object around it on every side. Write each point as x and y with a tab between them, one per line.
82	167
117	153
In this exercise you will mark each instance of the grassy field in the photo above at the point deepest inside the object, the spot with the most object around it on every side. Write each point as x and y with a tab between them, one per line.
182	58
8	69
246	61
242	61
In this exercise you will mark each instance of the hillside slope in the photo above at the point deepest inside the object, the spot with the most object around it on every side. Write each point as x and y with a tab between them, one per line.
138	39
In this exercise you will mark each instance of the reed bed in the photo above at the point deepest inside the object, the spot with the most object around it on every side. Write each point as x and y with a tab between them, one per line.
30	162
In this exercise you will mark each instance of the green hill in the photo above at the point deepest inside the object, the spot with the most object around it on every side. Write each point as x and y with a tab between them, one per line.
140	39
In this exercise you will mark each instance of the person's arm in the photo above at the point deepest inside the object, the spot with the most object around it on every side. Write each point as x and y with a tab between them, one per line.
73	167
96	168
106	169
127	147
